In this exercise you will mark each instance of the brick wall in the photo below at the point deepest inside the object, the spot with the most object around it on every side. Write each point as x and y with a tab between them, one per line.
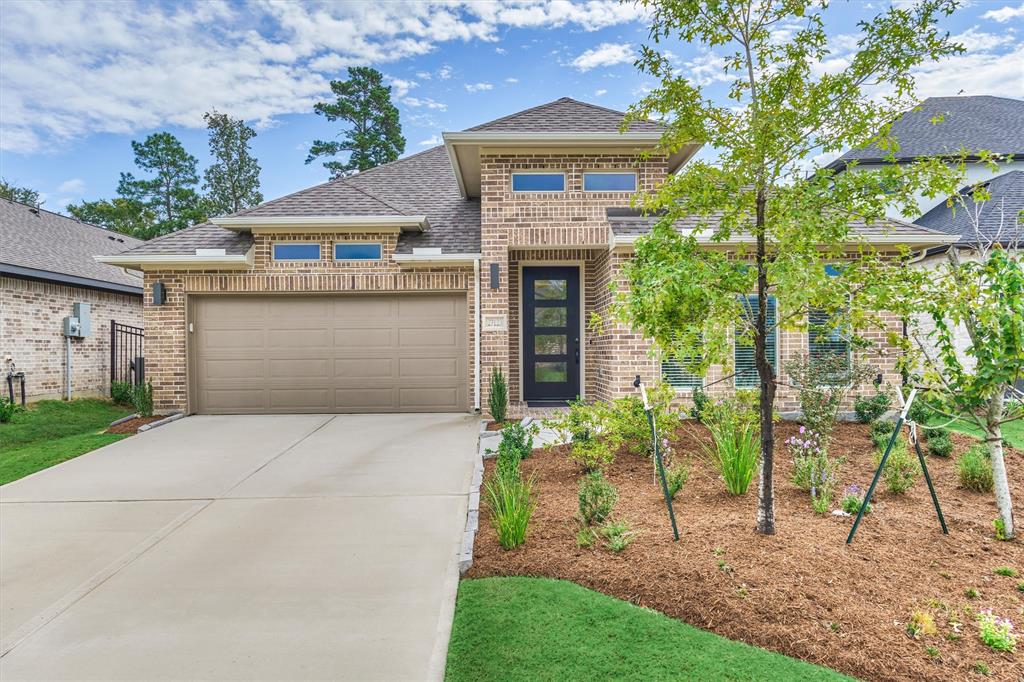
31	332
166	342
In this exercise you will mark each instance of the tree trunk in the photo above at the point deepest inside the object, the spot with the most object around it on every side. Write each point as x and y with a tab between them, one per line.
766	489
994	440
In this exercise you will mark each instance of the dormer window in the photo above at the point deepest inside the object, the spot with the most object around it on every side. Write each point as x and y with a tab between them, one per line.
609	182
538	182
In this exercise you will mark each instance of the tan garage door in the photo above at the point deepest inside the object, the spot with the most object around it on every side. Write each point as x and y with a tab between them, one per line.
355	353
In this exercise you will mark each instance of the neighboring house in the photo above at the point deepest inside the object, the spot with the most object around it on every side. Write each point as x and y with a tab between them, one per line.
361	294
945	127
47	264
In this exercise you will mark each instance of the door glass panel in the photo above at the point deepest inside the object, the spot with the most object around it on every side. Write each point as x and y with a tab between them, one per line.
550	289
550	372
550	344
550	317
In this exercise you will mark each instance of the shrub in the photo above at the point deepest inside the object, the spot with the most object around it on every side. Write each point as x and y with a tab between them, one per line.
497	403
121	392
507	464
8	408
585	537
974	470
517	438
881	432
921	623
901	469
142	399
996	632
919	412
823	384
586	427
628	421
940	444
597	498
676	476
853	499
870	409
701	402
512	503
735	453
618	535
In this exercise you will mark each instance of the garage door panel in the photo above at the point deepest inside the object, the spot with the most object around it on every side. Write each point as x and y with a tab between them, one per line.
341	353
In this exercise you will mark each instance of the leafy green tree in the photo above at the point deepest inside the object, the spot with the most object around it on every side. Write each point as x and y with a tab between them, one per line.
375	135
22	195
170	190
782	224
126	216
233	181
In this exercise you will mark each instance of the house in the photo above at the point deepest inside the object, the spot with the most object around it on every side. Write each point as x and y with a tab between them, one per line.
47	265
402	287
945	127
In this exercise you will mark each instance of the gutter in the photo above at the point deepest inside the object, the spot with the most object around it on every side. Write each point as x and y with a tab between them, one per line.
181	261
438	258
69	280
286	223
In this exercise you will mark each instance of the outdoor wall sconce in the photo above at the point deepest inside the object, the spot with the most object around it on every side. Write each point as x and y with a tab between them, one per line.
159	293
495	276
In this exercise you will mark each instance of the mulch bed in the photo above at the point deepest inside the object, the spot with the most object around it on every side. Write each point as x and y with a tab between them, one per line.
132	425
802	592
498	426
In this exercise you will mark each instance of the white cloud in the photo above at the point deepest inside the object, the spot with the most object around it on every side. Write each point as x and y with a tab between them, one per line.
605	54
74	186
401	87
600	93
431	141
425	102
479	87
1004	14
977	73
125	67
423	75
500	50
512	80
707	68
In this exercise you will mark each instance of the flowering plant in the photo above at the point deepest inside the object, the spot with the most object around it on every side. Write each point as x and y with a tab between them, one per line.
806	444
853	498
996	632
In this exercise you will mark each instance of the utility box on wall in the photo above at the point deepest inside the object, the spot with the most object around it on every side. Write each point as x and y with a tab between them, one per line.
82	312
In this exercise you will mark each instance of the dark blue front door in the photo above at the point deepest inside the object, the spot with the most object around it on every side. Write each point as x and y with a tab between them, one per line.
551	333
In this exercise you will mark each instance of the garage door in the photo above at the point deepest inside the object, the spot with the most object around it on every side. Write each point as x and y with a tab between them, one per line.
356	353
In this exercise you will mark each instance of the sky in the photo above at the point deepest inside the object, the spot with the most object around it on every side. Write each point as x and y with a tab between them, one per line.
80	80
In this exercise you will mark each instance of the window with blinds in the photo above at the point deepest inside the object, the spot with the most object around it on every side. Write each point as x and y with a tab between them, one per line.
824	339
677	373
743	353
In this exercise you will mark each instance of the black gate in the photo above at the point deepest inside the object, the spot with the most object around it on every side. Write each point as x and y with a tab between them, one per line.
126	362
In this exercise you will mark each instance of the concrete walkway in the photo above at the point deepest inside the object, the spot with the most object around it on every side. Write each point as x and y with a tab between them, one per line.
243	547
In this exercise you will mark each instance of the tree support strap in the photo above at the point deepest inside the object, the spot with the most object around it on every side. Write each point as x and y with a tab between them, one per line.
657	457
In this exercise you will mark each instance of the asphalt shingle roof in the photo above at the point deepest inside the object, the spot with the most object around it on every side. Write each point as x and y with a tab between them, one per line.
49	242
202	236
565	115
998	218
974	123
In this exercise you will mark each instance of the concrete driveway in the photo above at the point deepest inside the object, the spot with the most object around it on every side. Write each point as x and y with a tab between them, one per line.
241	547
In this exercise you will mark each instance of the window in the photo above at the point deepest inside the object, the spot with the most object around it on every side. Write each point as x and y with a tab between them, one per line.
743	351
357	251
538	182
824	338
677	373
609	182
296	251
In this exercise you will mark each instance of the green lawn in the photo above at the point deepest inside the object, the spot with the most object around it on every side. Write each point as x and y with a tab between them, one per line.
539	629
52	431
1013	432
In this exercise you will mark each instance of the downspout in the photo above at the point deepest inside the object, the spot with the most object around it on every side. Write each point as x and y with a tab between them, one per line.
476	333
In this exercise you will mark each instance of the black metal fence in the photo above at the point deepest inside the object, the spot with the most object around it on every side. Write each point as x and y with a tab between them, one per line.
126	353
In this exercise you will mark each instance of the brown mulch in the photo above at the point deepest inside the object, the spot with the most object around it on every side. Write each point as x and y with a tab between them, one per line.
132	425
802	592
498	426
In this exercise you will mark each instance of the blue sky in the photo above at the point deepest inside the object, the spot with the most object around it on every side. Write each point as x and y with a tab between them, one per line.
79	81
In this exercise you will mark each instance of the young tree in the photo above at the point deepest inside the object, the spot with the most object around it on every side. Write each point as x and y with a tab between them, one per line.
979	289
785	223
170	193
22	195
376	134
121	215
233	181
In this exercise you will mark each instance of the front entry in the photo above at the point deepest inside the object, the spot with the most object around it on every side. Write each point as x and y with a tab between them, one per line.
551	334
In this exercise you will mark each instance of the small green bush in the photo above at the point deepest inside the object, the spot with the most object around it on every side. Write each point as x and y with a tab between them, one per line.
597	498
585	537
870	409
974	470
701	402
142	399
628	421
901	469
587	428
735	453
507	464
121	392
618	535
676	476
517	438
497	403
919	412
8	408
881	432
940	444
511	502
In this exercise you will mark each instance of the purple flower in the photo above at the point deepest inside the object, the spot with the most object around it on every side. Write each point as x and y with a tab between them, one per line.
802	429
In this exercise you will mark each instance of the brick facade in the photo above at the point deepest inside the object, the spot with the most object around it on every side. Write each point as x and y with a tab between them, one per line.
31	333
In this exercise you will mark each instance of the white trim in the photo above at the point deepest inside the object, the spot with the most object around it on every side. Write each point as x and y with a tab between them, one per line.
476	332
293	223
582	267
336	244
179	261
484	137
636	181
444	258
319	252
626	241
512	175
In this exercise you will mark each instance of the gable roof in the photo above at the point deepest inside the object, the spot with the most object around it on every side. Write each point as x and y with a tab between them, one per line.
998	218
566	115
40	244
973	123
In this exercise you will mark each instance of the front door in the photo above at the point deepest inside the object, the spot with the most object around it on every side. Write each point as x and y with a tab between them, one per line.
551	334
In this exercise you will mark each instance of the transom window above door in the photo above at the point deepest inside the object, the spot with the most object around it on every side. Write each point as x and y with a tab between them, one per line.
609	182
297	251
538	182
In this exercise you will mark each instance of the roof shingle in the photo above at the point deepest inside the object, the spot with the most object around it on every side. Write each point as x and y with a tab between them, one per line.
998	218
565	115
